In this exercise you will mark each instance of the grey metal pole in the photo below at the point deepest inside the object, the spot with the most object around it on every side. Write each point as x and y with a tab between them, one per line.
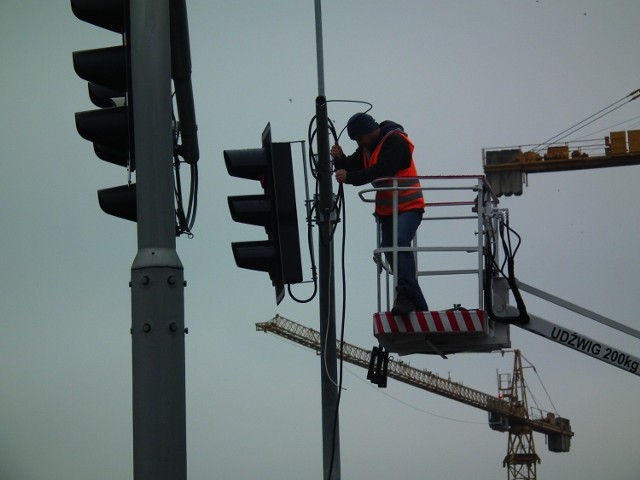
319	47
157	279
328	357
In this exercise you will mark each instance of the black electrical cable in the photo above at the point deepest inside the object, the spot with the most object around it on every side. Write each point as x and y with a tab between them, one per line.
511	277
342	325
314	269
491	267
185	221
180	215
311	134
351	101
340	211
193	196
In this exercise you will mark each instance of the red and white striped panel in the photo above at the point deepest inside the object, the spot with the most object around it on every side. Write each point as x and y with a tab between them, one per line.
449	321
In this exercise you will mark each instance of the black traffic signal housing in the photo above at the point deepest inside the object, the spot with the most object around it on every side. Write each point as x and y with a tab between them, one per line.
274	209
108	71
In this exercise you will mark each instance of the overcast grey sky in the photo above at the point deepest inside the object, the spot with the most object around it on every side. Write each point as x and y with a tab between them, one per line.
460	76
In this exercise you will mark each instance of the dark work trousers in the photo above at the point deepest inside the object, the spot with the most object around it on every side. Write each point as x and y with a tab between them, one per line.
408	223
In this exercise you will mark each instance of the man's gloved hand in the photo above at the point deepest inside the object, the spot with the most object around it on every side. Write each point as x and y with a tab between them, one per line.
341	176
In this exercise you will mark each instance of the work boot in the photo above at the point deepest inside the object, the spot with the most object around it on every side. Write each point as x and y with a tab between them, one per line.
403	305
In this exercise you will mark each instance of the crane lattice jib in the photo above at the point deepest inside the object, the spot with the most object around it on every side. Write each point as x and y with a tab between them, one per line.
405	373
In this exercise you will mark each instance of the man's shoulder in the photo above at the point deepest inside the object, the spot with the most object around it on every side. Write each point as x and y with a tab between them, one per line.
389	125
395	139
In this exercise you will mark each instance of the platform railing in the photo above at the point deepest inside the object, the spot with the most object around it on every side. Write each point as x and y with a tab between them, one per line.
468	199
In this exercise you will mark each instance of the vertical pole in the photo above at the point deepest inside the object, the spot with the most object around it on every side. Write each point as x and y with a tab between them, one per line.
319	47
157	279
328	357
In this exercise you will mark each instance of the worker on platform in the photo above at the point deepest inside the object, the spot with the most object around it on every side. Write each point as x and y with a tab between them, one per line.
384	150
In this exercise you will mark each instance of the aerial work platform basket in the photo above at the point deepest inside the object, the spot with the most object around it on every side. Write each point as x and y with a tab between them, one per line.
458	209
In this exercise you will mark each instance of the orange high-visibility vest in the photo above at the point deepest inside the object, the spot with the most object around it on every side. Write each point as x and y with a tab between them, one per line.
409	193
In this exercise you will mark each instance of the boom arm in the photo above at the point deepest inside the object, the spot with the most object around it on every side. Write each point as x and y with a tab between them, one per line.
403	372
572	339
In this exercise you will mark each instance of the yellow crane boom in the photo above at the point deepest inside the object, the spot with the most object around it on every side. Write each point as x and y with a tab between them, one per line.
507	167
509	414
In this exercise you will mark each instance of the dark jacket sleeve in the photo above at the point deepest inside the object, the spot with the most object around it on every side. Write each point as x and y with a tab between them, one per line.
395	155
349	163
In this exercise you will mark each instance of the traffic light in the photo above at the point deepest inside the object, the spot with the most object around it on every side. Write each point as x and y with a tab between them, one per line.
108	71
274	209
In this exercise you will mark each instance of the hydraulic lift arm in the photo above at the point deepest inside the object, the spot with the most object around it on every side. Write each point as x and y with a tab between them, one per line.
570	338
